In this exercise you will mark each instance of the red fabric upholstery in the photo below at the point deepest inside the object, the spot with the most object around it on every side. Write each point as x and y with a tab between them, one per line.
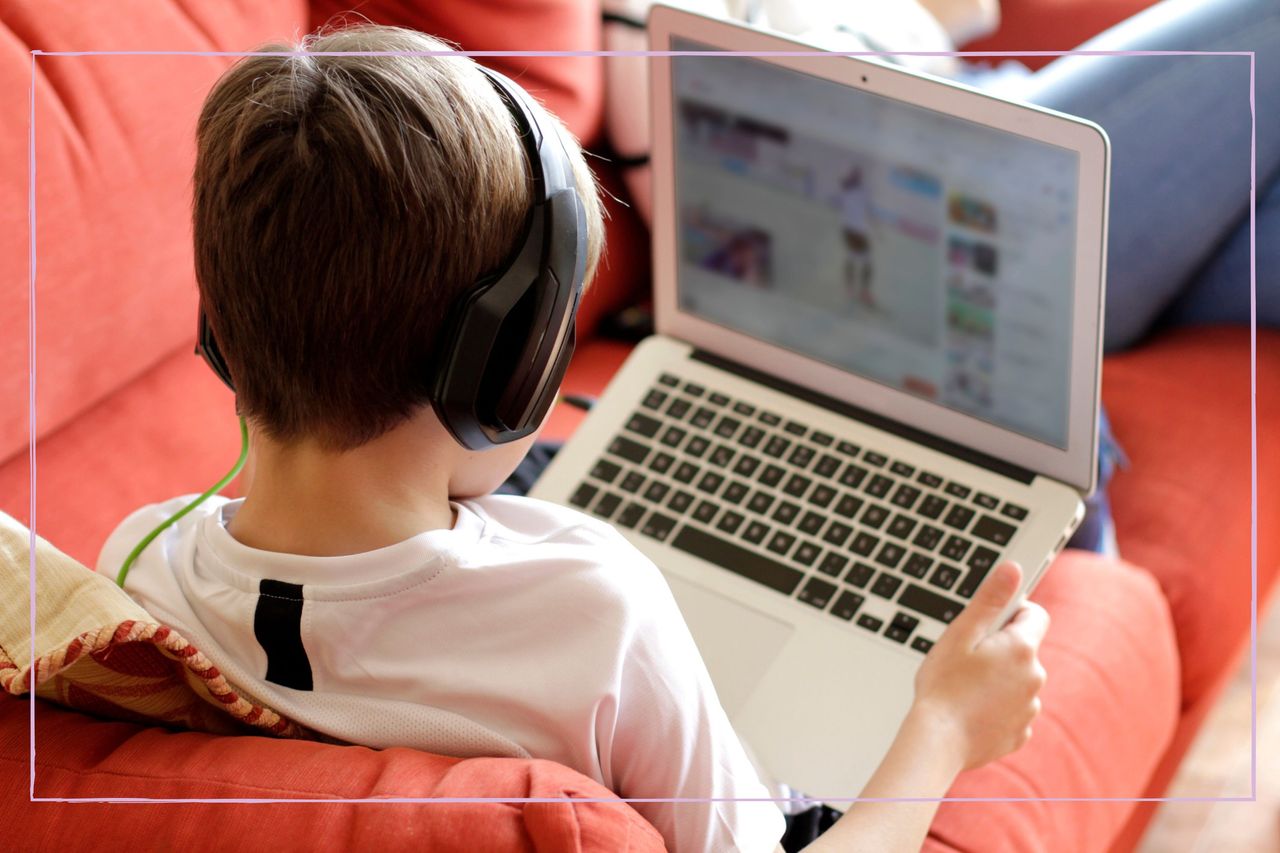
1053	25
87	758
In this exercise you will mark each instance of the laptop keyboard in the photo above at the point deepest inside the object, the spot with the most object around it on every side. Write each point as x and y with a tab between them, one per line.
822	520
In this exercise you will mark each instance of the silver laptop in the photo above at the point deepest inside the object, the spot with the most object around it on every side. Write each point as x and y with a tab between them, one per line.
875	375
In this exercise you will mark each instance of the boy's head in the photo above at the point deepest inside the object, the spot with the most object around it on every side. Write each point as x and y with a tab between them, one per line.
342	205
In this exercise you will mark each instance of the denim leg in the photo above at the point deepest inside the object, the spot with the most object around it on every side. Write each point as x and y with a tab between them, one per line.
1179	129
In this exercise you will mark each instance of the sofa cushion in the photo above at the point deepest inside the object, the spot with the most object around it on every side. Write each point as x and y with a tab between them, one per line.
115	145
1180	408
1110	709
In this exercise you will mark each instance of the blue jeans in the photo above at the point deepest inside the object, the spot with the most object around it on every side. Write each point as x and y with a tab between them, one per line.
1178	241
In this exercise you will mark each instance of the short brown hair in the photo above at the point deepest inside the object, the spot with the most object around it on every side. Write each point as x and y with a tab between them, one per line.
341	204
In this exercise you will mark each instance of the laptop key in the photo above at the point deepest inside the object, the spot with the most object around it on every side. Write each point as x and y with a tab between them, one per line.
697	447
781	542
680	502
930	603
644	425
654	399
806	554
772	475
971	581
1014	511
694	390
710	482
859	575
625	448
886	585
583	495
848	506
679	408
770	418
796	428
607	505
669	380
822	439
875	516
827	466
879	486
905	496
746	465
703	417
705	511
812	522
917	565
871	623
776	446
605	471
760	502
801	456
993	530
685	472
786	512
874	459
959	517
901	627
957	490
658	526
853	476
837	534
673	436
750	437
755	532
656	492
848	448
822	495
661	462
986	501
891	554
901	526
718	399
955	548
932	506
721	456
632	482
735	492
730	521
817	592
863	544
797	485
902	469
727	426
945	576
928	537
922	645
744	409
927	479
741	561
847	605
982	559
833	564
631	515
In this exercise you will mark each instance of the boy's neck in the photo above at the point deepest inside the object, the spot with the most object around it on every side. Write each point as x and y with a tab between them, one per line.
303	499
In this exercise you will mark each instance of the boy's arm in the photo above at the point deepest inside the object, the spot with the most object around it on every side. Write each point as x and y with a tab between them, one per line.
976	695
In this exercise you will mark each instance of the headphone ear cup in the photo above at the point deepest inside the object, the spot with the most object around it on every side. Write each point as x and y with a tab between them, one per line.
207	348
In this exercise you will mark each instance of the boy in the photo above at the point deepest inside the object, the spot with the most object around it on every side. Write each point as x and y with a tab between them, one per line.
365	585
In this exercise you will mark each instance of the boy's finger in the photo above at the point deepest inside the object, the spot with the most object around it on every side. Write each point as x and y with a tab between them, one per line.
1031	622
979	616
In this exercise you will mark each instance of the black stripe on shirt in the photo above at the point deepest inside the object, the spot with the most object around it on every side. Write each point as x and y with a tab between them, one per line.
277	624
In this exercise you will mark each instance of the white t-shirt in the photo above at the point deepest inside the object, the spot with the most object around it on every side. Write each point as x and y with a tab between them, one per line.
528	629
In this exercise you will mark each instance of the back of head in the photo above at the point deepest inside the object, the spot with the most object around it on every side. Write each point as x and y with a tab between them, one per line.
342	204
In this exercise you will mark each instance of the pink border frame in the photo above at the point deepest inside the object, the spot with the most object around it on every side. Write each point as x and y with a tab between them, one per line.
1253	434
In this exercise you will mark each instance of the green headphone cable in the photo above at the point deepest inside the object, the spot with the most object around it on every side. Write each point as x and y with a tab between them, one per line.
217	487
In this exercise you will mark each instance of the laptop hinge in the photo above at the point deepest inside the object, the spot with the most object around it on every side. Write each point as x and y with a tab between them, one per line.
919	436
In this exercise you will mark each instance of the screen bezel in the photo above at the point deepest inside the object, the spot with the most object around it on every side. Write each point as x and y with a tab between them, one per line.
1076	464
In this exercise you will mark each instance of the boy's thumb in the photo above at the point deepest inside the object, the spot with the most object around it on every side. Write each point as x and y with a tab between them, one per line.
979	616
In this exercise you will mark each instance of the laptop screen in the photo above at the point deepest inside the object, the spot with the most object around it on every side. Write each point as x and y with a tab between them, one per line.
919	250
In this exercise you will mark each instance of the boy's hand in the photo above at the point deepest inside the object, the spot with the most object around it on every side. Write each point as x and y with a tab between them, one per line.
981	686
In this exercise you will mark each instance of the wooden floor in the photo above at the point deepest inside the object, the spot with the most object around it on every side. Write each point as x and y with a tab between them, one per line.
1218	765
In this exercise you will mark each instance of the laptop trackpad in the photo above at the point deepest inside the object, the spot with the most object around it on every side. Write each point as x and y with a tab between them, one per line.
738	643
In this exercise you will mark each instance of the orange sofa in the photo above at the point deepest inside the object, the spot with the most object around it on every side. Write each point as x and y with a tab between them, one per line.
125	415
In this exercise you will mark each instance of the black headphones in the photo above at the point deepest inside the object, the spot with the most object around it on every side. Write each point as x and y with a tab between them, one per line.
506	343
